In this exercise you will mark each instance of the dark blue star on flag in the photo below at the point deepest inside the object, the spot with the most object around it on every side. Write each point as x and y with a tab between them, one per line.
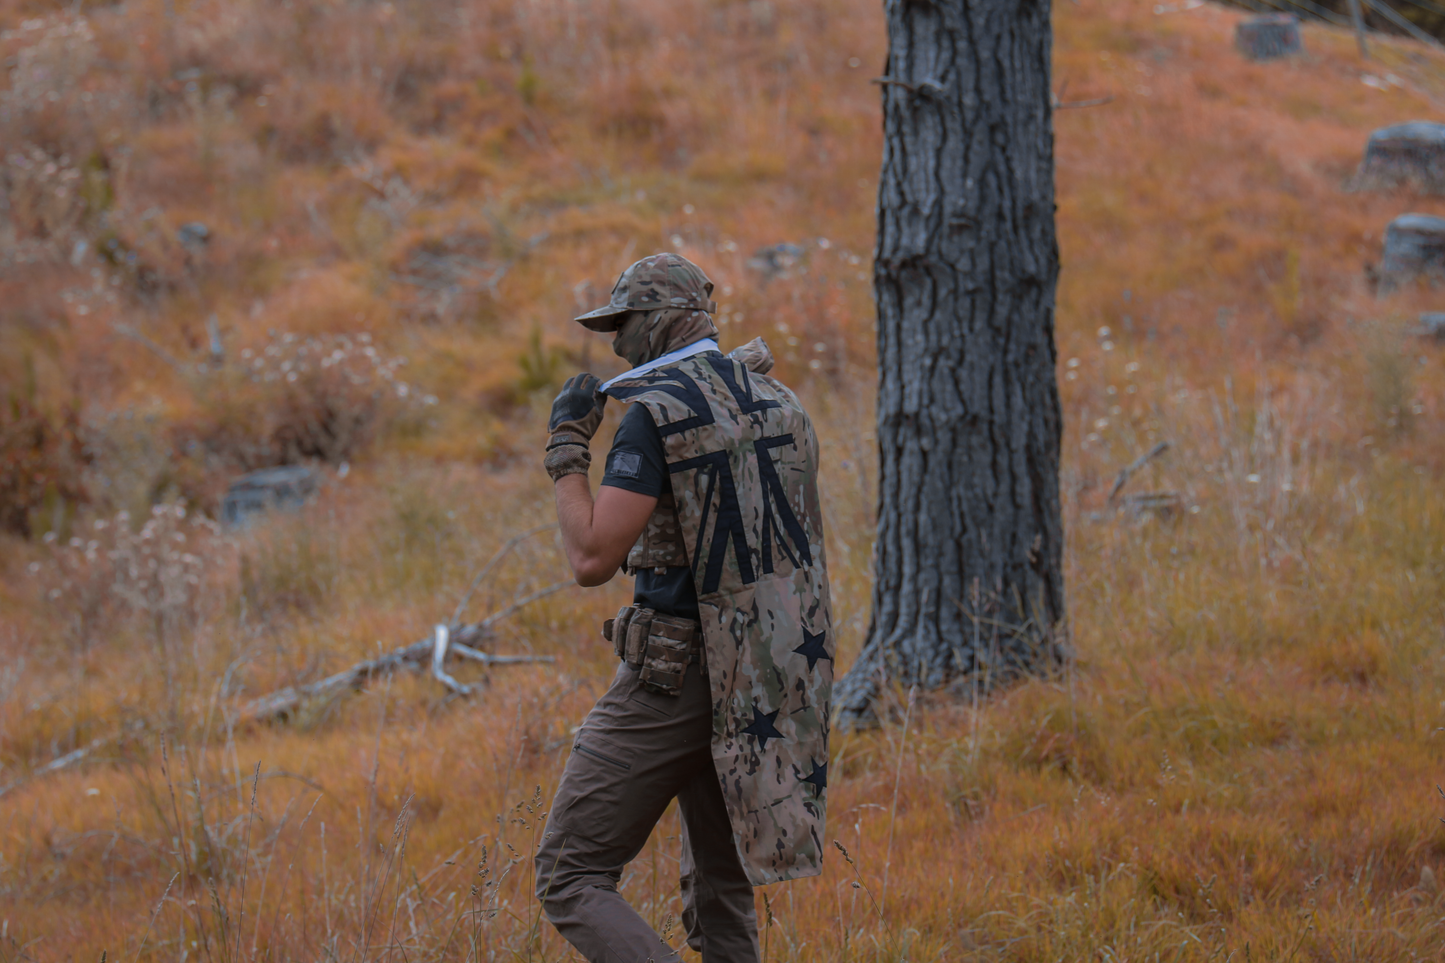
762	727
818	777
812	649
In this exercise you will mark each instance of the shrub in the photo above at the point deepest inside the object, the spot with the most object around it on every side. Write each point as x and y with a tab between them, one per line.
448	278
41	462
287	568
298	399
539	365
155	574
41	206
50	125
51	56
1389	376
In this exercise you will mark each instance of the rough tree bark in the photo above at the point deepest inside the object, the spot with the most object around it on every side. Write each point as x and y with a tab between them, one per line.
968	560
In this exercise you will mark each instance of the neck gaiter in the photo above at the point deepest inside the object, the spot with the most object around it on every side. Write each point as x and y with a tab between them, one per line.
648	335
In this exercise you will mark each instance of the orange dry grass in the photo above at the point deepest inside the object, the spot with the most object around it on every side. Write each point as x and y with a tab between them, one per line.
1240	765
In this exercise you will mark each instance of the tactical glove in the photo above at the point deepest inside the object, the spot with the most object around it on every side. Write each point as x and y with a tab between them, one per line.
576	415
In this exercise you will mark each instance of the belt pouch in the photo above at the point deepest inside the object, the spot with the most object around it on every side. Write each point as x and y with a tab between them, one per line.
634	643
670	644
615	630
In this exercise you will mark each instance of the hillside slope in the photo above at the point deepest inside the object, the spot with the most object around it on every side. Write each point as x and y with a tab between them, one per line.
352	234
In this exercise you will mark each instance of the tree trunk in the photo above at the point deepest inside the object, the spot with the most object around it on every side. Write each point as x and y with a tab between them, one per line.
1357	20
968	558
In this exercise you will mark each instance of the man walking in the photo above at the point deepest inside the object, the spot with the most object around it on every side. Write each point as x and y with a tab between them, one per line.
709	498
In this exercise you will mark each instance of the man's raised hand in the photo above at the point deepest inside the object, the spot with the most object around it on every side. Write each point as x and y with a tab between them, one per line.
576	415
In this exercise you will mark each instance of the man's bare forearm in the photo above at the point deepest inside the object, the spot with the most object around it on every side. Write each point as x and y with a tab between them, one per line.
573	495
597	535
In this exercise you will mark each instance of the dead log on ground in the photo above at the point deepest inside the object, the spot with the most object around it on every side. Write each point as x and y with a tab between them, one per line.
430	652
1144	504
1128	471
55	765
1163	505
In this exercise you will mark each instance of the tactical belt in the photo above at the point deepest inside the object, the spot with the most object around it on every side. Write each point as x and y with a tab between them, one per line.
660	646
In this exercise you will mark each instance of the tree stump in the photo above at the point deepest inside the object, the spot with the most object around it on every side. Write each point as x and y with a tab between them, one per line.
1405	154
1269	37
286	487
1414	247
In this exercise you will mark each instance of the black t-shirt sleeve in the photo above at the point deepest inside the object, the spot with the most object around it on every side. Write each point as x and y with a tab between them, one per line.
637	462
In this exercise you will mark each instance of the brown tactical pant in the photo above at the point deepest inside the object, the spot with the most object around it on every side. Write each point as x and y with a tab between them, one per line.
634	754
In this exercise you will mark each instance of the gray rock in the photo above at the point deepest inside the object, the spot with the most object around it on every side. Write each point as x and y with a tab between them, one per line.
1404	155
1269	37
776	260
194	235
287	487
1432	325
1414	247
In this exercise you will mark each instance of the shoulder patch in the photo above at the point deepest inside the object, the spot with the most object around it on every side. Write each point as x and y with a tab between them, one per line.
625	464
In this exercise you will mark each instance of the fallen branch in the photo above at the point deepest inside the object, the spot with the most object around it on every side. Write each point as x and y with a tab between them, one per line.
55	765
438	661
496	617
501	553
1128	471
127	331
1394	17
1076	104
1158	504
928	86
1057	101
431	651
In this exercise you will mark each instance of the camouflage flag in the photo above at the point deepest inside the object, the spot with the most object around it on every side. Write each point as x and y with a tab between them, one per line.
744	465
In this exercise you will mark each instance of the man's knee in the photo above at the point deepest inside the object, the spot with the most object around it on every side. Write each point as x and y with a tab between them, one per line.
566	865
552	875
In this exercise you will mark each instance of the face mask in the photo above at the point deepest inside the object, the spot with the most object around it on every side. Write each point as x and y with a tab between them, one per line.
633	339
645	336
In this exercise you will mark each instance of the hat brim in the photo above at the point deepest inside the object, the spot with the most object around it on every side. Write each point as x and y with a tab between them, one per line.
603	319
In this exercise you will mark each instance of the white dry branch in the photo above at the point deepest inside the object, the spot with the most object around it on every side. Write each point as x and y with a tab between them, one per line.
55	765
431	651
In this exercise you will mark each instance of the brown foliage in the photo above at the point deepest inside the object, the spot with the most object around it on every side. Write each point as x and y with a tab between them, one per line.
295	400
41	462
1254	700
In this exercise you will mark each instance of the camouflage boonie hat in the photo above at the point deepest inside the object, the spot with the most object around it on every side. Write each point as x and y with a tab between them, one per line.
660	281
